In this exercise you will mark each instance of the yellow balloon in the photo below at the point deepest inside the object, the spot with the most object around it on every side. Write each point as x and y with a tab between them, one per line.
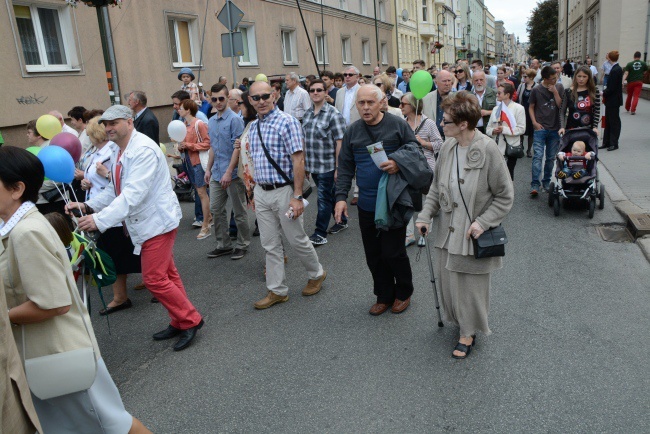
163	148
261	77
48	126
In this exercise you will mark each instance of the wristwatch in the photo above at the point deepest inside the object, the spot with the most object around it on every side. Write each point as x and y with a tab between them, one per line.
298	197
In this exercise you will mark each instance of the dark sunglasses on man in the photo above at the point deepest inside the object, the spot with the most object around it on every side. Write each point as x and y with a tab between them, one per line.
316	90
347	74
264	96
218	98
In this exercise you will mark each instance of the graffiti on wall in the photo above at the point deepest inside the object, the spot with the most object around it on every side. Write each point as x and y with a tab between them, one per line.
31	99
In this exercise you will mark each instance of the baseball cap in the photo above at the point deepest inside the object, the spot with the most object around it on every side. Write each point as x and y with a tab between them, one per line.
116	112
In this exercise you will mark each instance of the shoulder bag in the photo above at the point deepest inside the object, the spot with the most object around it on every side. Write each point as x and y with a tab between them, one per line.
492	242
516	151
203	155
306	185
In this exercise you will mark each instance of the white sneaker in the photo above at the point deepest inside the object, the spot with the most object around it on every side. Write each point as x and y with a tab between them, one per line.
197	224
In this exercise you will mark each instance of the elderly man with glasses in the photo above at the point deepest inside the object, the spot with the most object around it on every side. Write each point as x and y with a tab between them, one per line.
296	100
276	143
347	95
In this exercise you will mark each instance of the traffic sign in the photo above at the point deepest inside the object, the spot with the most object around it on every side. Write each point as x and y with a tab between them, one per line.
237	48
230	20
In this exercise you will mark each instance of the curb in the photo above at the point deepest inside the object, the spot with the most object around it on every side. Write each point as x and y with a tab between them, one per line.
623	205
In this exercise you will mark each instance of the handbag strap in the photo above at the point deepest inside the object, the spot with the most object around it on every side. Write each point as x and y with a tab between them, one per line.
458	182
198	134
419	127
268	156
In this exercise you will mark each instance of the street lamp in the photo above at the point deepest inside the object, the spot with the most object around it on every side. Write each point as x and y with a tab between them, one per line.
444	23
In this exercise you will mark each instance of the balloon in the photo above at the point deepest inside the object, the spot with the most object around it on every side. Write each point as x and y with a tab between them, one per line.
163	148
420	84
177	130
48	126
58	164
399	72
70	143
261	77
34	150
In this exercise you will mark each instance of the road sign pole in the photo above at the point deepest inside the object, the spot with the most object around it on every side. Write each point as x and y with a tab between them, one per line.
232	59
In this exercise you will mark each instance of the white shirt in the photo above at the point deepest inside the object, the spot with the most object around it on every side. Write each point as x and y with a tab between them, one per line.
98	182
480	103
297	102
349	102
137	115
85	142
67	129
594	70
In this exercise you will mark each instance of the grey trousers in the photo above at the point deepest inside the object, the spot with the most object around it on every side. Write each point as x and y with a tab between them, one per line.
218	198
270	209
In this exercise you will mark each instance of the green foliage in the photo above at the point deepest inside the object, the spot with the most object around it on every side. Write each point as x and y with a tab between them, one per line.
542	29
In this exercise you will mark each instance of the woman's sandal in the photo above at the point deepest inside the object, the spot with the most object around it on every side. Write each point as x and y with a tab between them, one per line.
464	349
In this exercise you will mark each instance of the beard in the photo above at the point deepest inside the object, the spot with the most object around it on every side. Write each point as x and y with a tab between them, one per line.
479	88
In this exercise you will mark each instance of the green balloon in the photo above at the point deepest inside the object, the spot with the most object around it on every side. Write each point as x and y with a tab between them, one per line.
420	84
34	150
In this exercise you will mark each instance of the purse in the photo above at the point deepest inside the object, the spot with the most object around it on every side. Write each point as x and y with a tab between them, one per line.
492	242
306	184
203	155
514	151
62	373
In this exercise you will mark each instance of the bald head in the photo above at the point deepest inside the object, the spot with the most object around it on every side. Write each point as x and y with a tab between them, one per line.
261	97
57	115
259	86
444	82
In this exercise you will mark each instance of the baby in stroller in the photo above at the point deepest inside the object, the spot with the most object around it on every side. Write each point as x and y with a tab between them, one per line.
574	167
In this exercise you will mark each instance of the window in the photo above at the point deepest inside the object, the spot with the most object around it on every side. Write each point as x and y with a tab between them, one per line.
346	50
425	12
382	11
384	53
365	49
343	4
321	49
363	7
183	41
250	47
289	49
46	38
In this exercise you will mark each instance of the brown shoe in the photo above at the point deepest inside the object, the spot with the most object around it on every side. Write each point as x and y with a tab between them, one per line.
314	285
140	286
354	201
378	308
270	299
400	306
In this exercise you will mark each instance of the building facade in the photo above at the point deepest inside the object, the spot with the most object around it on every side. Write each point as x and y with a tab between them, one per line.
53	56
595	27
490	37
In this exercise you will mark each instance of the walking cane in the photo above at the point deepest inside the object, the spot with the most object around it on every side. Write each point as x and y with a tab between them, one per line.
422	243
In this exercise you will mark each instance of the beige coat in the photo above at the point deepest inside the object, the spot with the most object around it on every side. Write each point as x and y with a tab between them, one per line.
340	101
430	105
17	414
487	177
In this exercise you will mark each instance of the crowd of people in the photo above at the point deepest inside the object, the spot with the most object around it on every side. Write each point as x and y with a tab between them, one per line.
263	146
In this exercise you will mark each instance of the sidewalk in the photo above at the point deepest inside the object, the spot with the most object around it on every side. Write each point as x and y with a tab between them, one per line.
626	173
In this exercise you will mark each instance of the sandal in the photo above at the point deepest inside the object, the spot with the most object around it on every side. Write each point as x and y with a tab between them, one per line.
463	348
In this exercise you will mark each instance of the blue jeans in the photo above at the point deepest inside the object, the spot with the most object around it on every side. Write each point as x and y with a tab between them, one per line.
198	211
544	141
326	193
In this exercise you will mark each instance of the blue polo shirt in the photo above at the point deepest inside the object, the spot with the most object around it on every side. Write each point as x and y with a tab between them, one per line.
224	130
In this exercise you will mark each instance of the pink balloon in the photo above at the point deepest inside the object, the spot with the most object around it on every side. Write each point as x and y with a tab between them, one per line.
70	143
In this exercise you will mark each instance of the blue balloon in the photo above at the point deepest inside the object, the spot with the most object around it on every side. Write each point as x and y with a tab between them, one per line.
399	72
58	164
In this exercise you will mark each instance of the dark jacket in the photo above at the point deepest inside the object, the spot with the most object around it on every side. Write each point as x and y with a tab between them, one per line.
147	124
613	93
489	102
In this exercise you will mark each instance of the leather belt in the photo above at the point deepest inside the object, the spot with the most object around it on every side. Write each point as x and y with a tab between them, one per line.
268	187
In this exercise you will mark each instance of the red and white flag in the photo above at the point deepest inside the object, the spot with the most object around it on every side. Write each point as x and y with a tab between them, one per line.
507	116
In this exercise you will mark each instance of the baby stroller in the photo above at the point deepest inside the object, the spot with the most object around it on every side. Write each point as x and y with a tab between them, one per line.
586	188
182	186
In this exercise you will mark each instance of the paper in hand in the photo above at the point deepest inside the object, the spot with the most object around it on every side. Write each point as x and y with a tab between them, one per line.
377	153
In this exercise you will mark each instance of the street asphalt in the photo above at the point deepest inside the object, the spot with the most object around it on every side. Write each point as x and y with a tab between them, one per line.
569	350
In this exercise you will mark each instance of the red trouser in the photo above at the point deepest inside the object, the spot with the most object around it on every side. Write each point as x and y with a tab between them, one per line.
161	278
633	93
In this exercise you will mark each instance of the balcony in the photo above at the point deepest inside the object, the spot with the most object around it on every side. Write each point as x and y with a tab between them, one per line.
428	29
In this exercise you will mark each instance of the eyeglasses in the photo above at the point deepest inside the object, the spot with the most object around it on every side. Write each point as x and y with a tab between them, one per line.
404	104
378	84
347	74
218	98
264	96
459	71
240	102
316	90
444	122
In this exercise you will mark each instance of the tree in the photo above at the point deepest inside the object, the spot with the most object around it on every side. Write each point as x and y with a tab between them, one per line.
542	29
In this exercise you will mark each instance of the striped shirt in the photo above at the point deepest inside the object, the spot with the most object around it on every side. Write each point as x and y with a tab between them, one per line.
321	133
282	135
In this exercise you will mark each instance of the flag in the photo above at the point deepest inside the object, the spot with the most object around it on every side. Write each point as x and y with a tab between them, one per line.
507	116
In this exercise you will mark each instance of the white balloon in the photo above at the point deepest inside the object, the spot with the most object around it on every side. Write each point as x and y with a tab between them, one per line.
177	131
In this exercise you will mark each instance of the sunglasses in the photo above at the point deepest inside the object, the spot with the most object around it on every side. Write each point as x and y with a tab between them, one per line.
378	84
317	90
459	71
404	104
348	75
444	122
218	98
240	102
264	96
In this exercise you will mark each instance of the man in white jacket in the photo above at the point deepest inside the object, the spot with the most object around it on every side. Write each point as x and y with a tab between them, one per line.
140	196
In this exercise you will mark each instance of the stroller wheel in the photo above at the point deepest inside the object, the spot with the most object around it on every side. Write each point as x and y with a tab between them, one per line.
592	206
551	195
556	206
601	197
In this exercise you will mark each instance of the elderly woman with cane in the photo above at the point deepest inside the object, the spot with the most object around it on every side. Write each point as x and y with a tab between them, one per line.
473	192
52	327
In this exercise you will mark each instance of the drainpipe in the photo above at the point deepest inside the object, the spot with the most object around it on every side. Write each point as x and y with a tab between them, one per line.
397	32
647	34
107	39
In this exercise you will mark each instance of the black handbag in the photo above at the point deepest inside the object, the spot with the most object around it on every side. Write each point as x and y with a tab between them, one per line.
306	185
492	242
516	151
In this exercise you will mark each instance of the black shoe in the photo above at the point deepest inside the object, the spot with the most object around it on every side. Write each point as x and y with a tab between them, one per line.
109	310
232	235
612	148
337	227
219	252
237	254
256	232
154	300
168	333
186	337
